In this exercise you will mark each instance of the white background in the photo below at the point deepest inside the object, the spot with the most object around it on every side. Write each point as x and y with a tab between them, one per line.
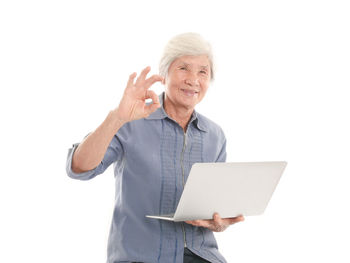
281	93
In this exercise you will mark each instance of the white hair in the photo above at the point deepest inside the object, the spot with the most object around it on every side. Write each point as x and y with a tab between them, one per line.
187	44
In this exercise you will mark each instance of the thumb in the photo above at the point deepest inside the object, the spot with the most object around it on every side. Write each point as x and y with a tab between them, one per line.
151	108
150	94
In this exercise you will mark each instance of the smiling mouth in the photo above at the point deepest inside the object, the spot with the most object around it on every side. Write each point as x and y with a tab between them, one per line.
189	93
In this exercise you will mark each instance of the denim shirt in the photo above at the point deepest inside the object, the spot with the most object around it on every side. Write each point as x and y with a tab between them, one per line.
152	158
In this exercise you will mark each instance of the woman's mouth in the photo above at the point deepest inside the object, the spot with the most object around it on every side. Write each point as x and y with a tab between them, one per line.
189	93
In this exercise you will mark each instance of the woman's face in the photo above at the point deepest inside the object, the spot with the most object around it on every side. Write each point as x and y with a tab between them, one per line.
187	81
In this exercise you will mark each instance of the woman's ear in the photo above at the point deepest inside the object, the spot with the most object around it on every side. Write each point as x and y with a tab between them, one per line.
163	81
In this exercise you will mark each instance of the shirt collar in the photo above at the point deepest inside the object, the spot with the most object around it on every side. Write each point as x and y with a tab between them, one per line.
161	114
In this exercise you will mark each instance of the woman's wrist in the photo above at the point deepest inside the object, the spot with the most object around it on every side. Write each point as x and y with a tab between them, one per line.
115	120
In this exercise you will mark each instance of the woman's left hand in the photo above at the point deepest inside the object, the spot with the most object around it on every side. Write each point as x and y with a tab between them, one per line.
217	224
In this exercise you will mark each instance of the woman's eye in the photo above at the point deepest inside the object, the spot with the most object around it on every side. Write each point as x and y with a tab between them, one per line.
203	72
182	68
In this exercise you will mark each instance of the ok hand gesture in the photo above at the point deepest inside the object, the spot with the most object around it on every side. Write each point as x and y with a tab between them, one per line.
132	105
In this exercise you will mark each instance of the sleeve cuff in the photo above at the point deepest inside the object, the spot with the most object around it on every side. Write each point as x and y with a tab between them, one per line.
80	176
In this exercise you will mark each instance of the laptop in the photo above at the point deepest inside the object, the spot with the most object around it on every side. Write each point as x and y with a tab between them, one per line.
230	189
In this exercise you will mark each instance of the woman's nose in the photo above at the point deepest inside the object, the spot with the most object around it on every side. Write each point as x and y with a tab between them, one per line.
192	80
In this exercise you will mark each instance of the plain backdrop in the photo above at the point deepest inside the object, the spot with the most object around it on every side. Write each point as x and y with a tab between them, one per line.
281	93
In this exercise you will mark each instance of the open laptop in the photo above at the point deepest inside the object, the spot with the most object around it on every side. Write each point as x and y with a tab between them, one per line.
230	189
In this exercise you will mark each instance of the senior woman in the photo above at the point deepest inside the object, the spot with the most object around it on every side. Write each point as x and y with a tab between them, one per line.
153	146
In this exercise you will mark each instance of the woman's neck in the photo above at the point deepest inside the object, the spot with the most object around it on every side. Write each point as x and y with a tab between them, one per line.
181	115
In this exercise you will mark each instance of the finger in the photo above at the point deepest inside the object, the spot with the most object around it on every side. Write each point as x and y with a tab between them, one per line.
150	94
218	223
142	76
205	223
155	105
217	219
234	220
202	223
193	222
241	218
208	223
152	108
131	79
150	81
238	218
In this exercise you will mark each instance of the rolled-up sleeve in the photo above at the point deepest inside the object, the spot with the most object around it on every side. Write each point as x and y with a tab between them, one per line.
113	153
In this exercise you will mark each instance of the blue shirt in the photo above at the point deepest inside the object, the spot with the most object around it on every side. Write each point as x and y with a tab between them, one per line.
152	159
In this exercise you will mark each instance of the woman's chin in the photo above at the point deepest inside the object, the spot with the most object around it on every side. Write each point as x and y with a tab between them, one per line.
187	104
189	100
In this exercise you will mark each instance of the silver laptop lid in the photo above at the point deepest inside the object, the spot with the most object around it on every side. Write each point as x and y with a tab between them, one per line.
231	189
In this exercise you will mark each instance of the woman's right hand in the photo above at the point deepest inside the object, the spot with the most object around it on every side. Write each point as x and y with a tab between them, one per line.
133	103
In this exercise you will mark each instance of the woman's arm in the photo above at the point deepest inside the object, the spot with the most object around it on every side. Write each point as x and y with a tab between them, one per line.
92	149
132	106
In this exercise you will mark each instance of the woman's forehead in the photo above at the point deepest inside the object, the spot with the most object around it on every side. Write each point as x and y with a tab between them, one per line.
200	61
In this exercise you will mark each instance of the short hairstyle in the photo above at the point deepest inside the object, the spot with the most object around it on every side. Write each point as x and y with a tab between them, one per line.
186	44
